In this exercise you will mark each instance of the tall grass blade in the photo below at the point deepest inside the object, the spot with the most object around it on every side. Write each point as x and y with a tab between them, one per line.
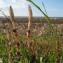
46	16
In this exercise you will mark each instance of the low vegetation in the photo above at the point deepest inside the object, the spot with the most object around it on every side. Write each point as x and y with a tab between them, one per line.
45	47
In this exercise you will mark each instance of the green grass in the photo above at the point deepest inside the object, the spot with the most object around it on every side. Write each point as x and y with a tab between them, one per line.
43	42
46	44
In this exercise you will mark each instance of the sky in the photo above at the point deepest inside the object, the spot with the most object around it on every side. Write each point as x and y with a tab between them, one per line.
54	8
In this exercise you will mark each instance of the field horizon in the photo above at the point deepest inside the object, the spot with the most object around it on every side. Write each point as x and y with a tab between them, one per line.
24	19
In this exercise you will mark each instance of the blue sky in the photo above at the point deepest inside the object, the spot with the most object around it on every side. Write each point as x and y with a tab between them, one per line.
54	7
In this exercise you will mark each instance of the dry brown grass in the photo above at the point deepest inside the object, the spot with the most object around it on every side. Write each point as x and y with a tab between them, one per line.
13	37
29	21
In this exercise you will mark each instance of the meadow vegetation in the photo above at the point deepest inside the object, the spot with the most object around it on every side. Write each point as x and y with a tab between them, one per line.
29	48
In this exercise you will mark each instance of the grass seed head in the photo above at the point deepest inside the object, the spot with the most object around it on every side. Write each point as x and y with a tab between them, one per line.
29	20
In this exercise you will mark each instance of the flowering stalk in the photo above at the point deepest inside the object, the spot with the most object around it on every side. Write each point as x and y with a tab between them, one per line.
30	43
15	33
29	21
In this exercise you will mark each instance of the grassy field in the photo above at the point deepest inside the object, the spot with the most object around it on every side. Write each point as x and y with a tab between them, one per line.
31	42
46	47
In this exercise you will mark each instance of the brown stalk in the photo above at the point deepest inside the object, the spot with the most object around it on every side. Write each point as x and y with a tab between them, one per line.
29	21
30	43
9	42
15	33
9	45
29	27
12	18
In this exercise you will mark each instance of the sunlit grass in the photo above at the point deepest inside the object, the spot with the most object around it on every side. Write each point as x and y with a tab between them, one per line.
48	46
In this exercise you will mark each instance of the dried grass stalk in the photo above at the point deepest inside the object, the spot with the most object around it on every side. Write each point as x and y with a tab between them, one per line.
9	45
15	33
29	20
30	43
12	18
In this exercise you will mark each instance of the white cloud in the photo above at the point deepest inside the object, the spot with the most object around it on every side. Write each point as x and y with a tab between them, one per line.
18	3
13	3
18	6
2	3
